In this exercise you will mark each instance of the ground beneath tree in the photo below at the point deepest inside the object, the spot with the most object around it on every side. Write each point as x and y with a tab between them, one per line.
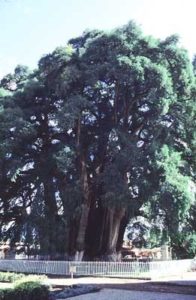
155	287
185	284
114	294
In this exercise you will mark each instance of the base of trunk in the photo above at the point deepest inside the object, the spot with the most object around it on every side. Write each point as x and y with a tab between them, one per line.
115	257
79	256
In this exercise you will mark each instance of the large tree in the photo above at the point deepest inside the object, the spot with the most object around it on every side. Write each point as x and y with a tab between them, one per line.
103	134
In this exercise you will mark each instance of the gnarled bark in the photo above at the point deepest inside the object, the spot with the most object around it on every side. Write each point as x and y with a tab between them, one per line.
51	213
115	217
80	240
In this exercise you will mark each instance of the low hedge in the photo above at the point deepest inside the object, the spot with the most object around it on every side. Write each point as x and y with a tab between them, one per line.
10	277
30	290
17	277
6	294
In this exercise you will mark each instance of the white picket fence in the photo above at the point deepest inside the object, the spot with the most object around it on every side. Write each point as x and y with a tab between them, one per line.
149	270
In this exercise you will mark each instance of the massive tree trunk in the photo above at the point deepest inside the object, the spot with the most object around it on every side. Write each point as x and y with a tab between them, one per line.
115	217
80	240
51	214
73	229
123	225
95	230
110	232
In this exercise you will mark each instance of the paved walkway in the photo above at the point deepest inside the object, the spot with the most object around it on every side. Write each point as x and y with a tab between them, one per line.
109	294
185	279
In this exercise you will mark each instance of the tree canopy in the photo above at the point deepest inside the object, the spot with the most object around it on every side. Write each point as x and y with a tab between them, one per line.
101	132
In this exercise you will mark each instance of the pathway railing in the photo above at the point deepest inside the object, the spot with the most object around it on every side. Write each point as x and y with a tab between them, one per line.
102	269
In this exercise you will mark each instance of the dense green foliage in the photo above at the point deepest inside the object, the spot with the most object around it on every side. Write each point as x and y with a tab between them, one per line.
10	277
25	287
26	291
101	132
20	277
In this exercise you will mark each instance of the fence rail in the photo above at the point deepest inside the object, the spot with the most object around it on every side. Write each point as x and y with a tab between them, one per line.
103	269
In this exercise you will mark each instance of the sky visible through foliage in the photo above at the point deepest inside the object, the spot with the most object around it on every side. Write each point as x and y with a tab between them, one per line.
31	28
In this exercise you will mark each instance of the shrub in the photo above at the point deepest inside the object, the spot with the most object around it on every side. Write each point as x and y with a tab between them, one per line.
19	277
10	277
1	294
32	278
8	294
31	290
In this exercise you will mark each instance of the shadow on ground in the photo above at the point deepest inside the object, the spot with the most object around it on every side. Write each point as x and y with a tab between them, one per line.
178	287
